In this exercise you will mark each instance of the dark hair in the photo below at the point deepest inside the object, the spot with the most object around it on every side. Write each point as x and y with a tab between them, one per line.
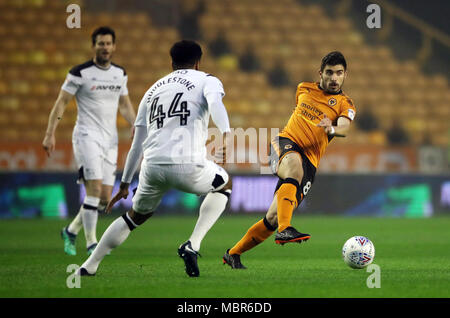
103	31
185	53
333	58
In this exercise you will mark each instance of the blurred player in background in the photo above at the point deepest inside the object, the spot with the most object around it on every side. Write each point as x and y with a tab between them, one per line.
322	112
100	88
171	130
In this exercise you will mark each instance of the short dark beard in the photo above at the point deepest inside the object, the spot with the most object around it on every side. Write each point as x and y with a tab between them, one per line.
101	61
328	91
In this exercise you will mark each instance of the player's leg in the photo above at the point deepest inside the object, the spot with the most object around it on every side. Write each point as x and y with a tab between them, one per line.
289	196
211	209
105	197
109	177
215	182
86	218
69	234
264	228
290	168
89	214
88	155
146	199
113	237
255	235
290	172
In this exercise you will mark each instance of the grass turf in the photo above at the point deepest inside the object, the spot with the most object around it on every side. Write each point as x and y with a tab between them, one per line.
413	255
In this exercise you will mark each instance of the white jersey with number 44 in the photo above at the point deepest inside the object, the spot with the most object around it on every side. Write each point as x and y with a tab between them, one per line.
176	114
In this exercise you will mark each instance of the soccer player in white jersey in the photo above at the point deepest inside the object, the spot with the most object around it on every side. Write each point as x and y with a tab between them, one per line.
171	130
100	89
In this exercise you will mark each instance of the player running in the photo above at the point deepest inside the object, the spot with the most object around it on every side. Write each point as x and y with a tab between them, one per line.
322	112
171	130
100	88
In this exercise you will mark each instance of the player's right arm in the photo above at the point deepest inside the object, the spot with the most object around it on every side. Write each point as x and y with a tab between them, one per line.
219	116
214	92
55	116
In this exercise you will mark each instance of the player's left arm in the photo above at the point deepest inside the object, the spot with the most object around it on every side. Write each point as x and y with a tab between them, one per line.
127	111
345	117
340	130
343	126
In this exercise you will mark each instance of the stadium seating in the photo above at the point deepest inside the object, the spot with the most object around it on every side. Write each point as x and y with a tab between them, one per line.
37	52
376	79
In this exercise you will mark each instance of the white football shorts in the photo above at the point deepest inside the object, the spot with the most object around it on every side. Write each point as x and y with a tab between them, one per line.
156	179
94	160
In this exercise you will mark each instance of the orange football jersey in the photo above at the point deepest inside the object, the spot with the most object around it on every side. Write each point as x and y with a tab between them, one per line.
312	104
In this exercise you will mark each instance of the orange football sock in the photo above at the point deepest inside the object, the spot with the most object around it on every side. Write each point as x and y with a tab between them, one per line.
286	203
258	233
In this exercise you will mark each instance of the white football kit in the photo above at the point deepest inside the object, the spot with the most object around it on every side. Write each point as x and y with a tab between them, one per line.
171	132
97	92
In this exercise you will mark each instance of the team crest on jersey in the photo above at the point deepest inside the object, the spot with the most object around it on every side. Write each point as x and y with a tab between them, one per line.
287	147
332	101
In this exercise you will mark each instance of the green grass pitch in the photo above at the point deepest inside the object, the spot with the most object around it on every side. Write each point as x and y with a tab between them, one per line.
413	256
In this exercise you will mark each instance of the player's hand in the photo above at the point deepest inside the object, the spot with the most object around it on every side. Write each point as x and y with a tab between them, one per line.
220	155
221	152
326	124
49	144
121	194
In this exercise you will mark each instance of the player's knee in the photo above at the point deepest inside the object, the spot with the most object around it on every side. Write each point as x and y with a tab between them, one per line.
296	174
226	189
229	184
105	197
293	171
272	219
95	192
291	167
93	188
139	218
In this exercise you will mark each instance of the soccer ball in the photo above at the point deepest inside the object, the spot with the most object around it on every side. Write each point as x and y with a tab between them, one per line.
358	252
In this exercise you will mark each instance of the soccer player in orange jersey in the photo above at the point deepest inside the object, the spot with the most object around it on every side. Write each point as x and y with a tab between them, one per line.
322	112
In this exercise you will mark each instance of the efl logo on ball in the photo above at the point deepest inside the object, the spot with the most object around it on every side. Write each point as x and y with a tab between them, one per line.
358	252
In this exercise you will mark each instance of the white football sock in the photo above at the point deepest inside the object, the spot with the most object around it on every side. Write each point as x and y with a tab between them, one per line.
89	215
114	235
212	207
76	225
